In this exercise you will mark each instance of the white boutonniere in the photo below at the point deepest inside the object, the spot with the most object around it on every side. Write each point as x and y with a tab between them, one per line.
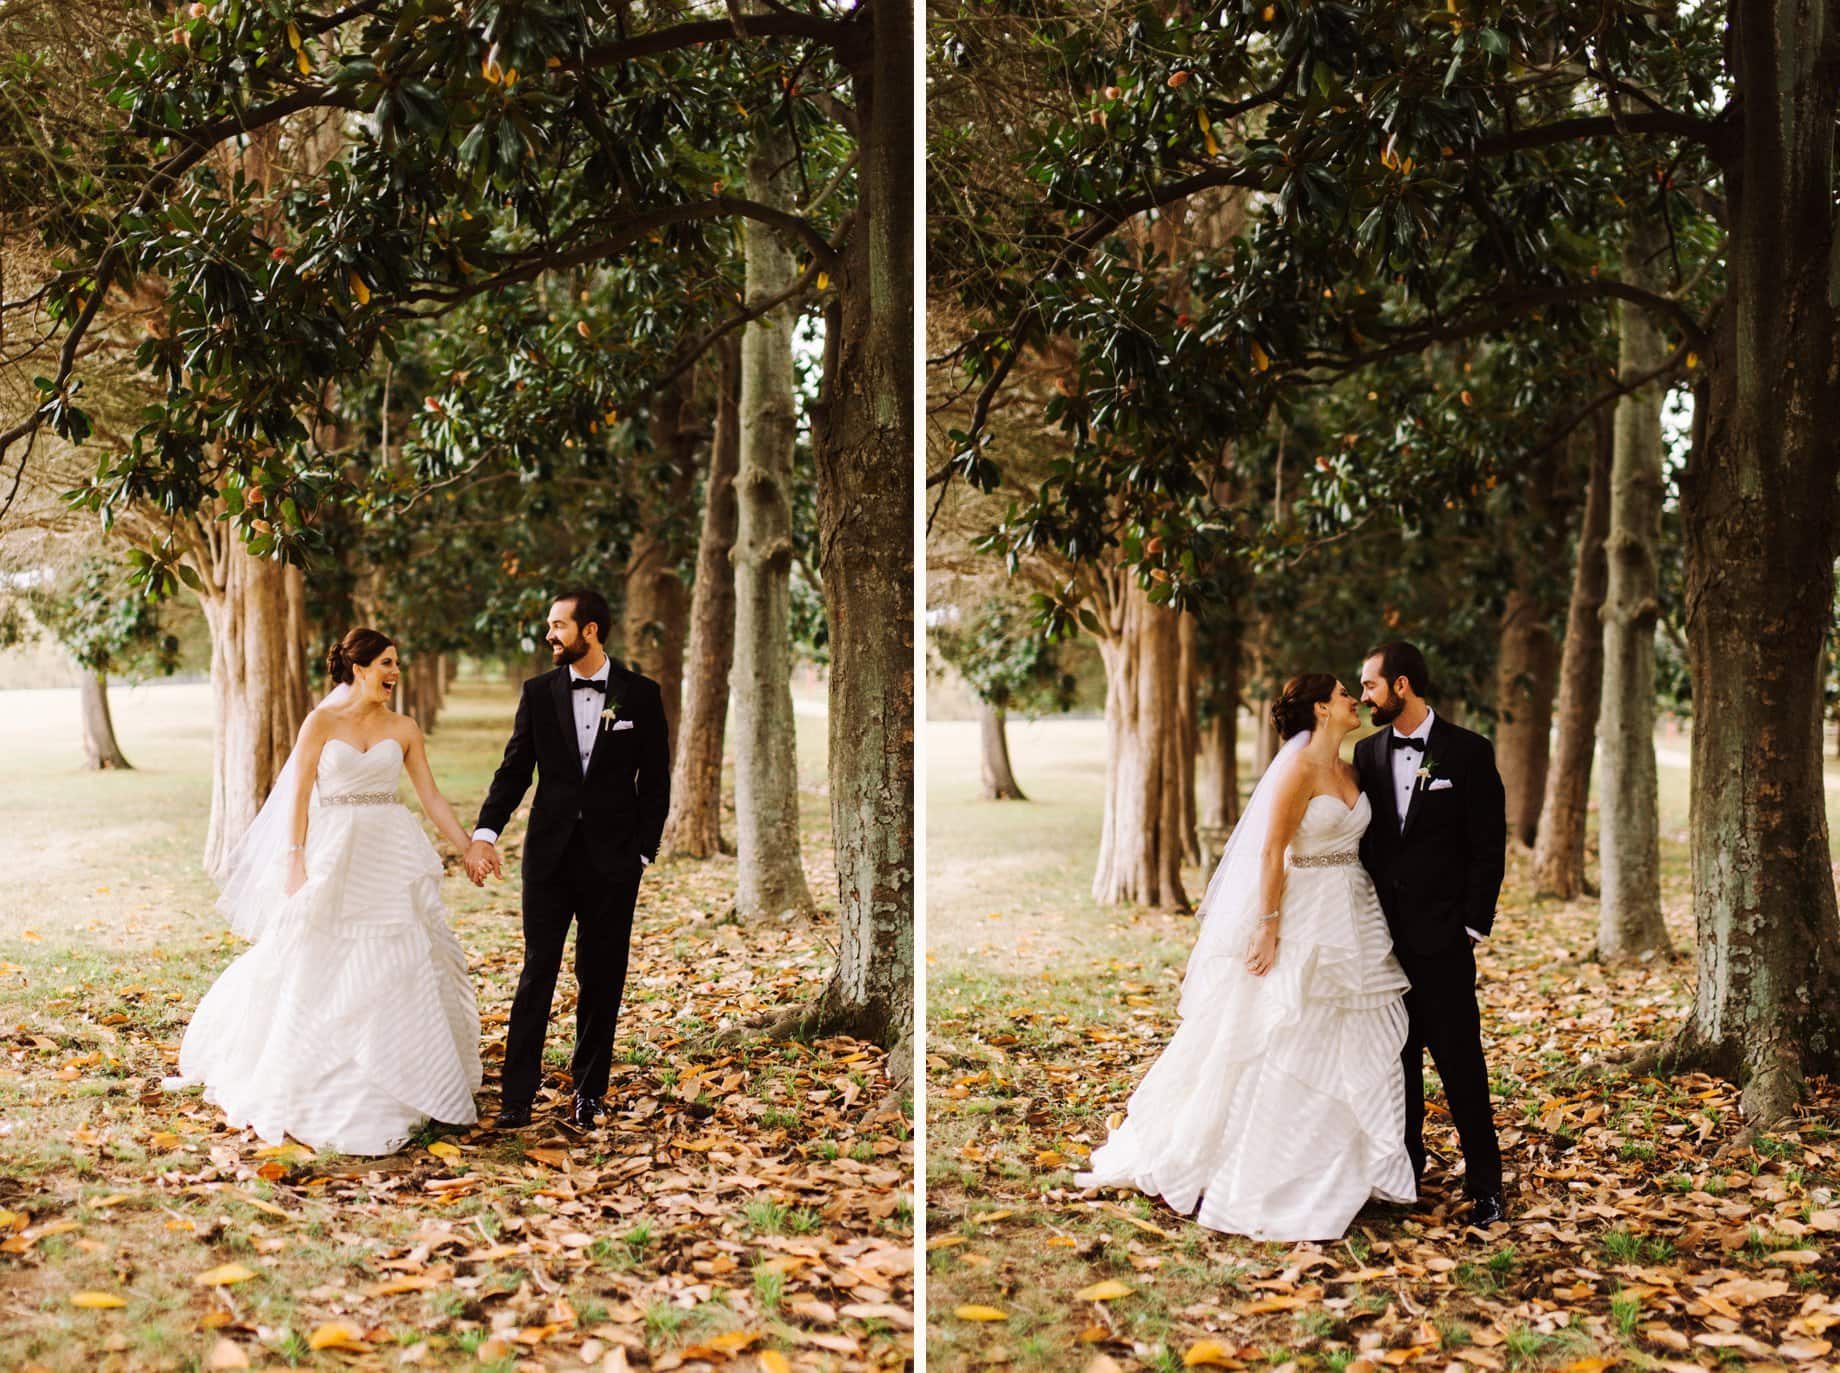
1424	773
609	715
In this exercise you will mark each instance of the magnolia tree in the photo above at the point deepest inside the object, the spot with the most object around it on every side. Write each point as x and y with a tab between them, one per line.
1439	184
285	193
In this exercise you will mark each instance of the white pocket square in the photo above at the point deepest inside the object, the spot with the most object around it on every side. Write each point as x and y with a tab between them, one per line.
1440	784
628	724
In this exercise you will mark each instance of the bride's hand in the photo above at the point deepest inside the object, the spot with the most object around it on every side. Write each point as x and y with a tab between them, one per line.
297	874
1262	950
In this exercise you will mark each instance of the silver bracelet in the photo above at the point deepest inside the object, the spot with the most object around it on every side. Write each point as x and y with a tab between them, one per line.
296	848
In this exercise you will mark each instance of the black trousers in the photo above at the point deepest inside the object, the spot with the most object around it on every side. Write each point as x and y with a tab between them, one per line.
602	909
1444	1018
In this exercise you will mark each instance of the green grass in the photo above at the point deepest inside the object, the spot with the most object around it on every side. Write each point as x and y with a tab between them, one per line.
1044	1009
108	938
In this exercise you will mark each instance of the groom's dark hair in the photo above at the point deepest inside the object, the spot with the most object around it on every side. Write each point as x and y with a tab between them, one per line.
1399	659
591	608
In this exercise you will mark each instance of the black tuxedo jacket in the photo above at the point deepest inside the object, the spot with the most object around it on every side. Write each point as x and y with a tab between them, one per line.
621	800
1443	871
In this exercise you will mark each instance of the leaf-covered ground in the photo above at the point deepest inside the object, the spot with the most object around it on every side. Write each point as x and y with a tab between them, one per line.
746	1206
1638	1236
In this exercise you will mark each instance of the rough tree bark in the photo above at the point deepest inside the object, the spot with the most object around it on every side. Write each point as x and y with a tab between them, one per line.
1759	516
694	827
1188	732
100	751
1526	666
1140	844
655	611
770	878
997	778
1219	787
1527	660
256	611
1629	911
1558	855
863	436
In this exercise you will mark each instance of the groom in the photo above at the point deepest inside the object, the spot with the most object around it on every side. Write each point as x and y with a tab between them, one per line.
595	734
1436	849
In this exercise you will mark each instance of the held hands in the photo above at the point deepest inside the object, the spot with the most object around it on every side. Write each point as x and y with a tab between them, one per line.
1262	949
482	858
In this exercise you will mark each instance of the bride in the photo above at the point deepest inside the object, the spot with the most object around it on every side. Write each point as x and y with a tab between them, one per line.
351	1021
1278	1104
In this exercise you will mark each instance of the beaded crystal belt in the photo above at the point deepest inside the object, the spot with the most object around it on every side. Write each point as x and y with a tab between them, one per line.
360	798
1327	860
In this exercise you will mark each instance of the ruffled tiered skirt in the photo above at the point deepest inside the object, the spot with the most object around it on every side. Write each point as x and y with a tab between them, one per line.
352	1021
1278	1108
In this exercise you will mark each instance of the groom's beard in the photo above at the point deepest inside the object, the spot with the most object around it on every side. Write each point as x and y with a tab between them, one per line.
565	654
1386	714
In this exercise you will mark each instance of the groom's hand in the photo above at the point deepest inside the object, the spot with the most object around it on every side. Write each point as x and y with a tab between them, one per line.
482	858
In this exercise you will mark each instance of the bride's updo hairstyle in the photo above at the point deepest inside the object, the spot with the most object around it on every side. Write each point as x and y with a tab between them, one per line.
1295	709
361	647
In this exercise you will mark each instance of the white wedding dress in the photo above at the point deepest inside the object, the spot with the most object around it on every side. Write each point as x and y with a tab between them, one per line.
351	1020
1279	1103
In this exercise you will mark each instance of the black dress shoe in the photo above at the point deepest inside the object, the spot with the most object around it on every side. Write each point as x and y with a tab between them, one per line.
1487	1209
587	1111
513	1116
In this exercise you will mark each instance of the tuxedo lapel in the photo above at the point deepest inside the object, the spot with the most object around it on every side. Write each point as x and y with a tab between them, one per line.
565	710
1386	804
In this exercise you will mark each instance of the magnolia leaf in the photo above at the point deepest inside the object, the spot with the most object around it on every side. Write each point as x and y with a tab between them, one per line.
1109	1290
226	1354
338	1335
224	1276
1209	1354
980	1313
97	1301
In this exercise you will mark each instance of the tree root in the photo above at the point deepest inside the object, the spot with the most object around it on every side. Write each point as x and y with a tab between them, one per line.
806	1023
1663	1058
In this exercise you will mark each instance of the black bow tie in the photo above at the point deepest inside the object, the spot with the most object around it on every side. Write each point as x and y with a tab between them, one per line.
588	684
1418	744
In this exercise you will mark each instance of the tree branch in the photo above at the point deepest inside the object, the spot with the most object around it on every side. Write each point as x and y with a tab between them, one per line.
1485	314
1667	122
529	266
839	34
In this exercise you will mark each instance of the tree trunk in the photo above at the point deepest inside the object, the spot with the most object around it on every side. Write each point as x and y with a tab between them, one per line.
1188	730
100	750
1758	514
1558	856
1525	670
1265	741
694	827
1140	844
998	781
770	878
1629	911
255	609
656	606
863	442
418	693
1527	658
1219	800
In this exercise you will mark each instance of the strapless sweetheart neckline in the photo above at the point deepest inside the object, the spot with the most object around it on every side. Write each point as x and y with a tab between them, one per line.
387	739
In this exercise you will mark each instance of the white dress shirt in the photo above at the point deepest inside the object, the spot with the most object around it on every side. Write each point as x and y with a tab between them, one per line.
1406	763
588	707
